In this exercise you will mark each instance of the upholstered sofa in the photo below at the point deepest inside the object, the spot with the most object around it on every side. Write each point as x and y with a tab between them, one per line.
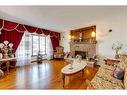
104	79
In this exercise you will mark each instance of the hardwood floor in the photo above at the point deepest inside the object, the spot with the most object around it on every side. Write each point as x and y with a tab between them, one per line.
44	76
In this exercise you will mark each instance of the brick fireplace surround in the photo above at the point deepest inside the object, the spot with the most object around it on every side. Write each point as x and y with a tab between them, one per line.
88	49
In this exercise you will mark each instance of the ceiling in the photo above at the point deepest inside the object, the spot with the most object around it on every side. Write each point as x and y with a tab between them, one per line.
61	18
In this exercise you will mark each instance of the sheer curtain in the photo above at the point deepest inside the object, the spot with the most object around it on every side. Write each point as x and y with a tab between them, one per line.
24	50
49	48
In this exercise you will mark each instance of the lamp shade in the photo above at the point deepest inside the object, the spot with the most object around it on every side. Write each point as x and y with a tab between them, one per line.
69	37
93	34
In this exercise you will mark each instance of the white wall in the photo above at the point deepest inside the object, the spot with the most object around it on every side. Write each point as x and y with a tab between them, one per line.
65	41
104	37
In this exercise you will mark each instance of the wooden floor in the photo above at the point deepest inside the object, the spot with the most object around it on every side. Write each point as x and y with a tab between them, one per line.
44	76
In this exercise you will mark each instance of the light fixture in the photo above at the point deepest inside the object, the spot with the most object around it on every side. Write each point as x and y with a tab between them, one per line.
70	37
93	34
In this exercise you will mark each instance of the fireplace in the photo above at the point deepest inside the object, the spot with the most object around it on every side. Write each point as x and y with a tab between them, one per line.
82	53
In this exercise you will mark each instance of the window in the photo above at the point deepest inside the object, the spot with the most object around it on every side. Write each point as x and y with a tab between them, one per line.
38	44
30	45
43	44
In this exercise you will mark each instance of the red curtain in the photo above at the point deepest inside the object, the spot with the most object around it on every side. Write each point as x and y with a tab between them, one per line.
11	36
31	29
55	42
39	31
46	32
13	32
54	39
9	25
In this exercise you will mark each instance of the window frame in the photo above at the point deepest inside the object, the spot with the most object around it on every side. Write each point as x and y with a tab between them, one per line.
38	43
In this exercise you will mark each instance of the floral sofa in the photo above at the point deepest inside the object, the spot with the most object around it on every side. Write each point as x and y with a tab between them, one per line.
104	79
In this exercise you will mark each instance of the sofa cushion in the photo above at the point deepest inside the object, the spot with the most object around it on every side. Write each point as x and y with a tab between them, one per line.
106	74
100	83
109	67
125	79
123	60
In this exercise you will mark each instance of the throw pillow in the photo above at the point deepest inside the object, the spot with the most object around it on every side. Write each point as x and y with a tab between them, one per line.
118	73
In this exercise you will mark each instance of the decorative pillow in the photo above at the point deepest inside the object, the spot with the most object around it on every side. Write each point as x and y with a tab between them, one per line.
118	73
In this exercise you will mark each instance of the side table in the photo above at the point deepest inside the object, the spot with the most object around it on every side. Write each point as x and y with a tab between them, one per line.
111	61
7	62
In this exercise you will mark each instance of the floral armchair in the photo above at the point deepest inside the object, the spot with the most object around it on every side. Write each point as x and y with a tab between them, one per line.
59	54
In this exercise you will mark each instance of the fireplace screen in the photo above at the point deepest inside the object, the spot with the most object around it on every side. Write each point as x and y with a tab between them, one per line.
81	53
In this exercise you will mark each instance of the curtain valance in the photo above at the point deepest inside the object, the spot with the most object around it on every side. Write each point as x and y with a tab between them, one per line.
10	26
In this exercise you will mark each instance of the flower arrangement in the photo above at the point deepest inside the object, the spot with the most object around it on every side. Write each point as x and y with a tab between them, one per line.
6	49
118	46
78	58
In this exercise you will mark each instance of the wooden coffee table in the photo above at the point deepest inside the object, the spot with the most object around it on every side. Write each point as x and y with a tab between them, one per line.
77	67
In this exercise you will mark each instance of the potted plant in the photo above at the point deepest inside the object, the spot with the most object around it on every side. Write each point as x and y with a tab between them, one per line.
117	47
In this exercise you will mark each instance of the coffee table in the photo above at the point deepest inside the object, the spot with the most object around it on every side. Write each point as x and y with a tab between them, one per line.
76	68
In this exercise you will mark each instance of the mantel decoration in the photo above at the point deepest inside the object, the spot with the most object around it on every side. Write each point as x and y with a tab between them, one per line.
80	36
117	47
71	64
7	49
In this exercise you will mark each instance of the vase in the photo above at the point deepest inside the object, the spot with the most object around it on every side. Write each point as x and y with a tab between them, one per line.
117	54
71	64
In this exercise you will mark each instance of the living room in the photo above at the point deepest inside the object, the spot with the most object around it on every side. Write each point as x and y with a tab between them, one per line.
71	50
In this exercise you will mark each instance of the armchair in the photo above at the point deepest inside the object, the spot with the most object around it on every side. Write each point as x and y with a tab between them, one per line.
59	54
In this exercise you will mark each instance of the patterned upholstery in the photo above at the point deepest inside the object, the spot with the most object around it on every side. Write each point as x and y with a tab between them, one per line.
100	83
104	79
106	75
110	67
59	52
125	79
123	60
